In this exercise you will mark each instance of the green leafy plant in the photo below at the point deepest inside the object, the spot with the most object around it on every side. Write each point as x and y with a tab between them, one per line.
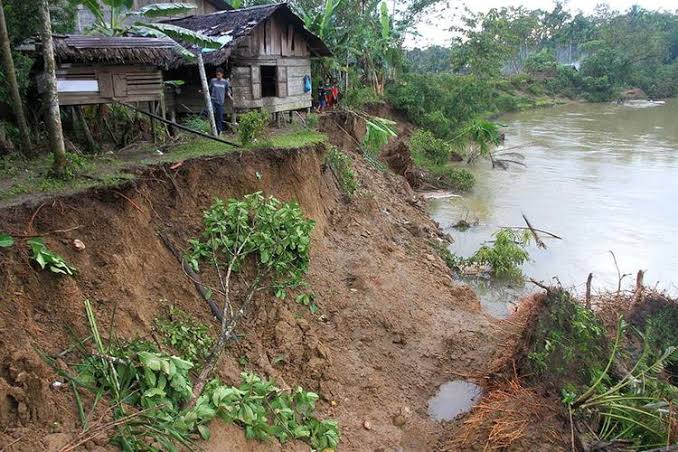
424	144
198	123
268	236
148	388
307	299
47	259
341	165
506	254
311	121
636	407
568	340
251	126
379	130
264	411
188	337
6	241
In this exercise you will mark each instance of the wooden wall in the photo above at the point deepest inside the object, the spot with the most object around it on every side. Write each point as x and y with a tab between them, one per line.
273	43
124	83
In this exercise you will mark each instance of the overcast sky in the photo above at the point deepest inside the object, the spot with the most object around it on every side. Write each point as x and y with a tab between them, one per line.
434	28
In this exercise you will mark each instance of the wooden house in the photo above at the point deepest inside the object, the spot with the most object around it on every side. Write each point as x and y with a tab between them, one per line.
267	52
96	69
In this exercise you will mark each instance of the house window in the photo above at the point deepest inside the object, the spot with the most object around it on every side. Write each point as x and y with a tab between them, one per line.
269	81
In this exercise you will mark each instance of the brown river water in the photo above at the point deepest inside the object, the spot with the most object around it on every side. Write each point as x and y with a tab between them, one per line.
602	176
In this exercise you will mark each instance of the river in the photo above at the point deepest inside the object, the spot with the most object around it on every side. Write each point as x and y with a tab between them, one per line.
604	177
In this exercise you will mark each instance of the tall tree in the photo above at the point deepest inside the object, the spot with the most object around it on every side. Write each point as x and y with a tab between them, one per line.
54	129
13	85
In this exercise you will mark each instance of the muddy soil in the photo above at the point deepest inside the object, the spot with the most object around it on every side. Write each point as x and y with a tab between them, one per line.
394	324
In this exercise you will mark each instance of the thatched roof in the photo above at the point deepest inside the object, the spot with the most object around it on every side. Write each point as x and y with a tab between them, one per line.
116	50
232	25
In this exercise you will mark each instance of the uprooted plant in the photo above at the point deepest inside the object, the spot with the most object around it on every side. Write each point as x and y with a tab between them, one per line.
635	406
612	382
262	241
144	390
506	254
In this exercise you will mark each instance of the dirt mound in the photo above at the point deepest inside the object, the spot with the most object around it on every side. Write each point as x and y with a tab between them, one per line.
394	324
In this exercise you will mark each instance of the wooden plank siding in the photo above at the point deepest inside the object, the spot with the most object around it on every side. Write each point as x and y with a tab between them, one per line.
133	83
272	43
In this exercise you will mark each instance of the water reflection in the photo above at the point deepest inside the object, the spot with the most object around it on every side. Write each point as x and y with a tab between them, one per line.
604	177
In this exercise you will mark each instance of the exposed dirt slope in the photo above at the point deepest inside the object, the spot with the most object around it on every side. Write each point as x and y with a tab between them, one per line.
394	326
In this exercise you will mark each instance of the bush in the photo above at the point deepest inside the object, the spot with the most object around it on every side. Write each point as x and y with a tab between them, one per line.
312	121
424	144
505	255
359	97
251	126
341	165
459	179
199	123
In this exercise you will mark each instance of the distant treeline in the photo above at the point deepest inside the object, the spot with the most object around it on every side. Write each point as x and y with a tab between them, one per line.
594	56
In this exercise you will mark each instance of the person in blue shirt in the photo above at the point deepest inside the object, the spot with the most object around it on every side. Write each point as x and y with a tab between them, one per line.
220	90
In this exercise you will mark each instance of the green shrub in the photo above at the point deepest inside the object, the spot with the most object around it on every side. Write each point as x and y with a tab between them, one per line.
543	63
199	123
424	144
567	340
358	98
48	259
459	179
181	332
506	254
251	126
342	168
507	103
312	121
135	377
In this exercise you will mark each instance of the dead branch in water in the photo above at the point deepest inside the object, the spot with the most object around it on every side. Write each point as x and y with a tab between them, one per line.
638	293
543	286
588	291
540	243
619	274
550	234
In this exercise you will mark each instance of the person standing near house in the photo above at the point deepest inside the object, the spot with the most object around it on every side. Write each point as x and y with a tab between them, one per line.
220	90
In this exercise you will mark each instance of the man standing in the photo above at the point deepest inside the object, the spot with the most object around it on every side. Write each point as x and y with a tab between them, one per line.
220	89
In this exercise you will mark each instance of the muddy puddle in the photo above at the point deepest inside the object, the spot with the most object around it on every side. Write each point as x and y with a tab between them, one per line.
453	399
601	176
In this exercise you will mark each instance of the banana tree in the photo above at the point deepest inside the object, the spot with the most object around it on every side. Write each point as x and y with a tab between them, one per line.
122	21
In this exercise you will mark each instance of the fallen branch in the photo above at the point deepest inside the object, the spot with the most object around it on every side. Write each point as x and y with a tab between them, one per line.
538	284
550	234
200	287
619	274
539	242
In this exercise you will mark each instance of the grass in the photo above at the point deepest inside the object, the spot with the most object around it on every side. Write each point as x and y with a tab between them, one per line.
20	177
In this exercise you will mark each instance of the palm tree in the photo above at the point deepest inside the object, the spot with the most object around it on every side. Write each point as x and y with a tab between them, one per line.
55	131
13	85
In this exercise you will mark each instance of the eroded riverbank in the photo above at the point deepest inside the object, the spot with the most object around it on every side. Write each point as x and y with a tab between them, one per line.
602	176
